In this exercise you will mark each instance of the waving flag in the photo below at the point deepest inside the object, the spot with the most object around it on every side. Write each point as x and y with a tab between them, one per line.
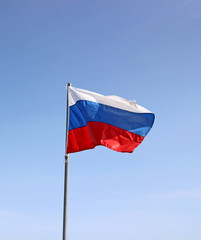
110	121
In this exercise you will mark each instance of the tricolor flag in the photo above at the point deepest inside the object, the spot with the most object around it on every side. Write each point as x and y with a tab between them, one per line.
111	121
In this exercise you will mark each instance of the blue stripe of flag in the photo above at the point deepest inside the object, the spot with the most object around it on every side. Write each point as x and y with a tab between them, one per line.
87	111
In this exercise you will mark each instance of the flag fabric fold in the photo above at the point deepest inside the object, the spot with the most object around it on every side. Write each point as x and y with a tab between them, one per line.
111	121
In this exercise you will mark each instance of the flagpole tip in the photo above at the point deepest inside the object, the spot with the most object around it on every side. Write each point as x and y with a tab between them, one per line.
68	85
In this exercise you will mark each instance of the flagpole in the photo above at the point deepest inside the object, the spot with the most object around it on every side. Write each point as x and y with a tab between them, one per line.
65	207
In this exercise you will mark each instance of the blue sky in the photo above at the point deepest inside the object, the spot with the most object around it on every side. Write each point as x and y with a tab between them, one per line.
149	51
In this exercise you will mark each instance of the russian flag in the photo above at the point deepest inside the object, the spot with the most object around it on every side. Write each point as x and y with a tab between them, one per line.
111	121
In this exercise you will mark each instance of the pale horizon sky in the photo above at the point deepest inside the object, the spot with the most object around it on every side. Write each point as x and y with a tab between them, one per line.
149	51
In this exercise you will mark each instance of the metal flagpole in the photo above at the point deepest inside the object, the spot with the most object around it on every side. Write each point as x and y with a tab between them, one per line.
65	208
